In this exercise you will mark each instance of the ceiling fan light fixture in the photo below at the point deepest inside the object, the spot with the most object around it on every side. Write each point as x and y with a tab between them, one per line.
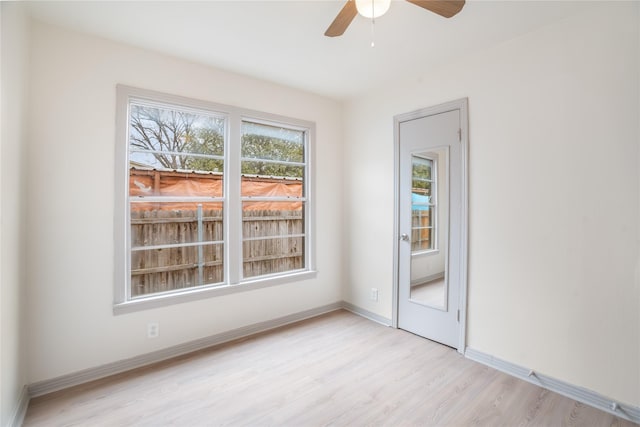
372	8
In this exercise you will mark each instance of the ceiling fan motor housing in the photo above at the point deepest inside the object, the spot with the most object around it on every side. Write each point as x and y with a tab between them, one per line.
372	8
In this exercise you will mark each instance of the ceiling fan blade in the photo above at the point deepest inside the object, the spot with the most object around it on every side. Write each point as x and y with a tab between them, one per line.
446	8
342	21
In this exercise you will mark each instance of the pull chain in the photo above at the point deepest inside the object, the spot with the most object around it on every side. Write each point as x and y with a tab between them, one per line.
373	23
373	32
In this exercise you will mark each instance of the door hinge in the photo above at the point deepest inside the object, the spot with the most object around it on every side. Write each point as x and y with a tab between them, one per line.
459	135
458	316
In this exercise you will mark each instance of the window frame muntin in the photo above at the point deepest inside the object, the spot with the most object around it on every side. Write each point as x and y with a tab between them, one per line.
122	303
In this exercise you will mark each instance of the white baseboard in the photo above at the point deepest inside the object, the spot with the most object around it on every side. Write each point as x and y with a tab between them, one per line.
366	313
91	374
588	397
17	418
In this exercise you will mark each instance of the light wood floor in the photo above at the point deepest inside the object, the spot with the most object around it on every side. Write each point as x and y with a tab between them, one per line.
338	369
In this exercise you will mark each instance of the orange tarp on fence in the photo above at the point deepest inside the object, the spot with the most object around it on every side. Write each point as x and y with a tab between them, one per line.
145	182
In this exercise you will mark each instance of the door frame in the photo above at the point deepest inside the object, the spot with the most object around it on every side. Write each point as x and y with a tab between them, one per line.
462	106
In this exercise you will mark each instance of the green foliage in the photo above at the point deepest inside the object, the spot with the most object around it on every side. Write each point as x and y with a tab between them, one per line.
208	141
262	147
422	173
170	138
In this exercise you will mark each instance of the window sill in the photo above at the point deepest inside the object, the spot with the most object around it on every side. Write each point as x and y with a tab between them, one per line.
195	294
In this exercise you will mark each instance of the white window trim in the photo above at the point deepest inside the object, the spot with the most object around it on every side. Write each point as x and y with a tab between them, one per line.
233	281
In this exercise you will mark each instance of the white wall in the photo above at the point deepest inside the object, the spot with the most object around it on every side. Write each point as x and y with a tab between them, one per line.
13	140
554	193
71	198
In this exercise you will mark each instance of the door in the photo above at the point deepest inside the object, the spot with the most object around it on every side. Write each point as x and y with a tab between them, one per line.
431	218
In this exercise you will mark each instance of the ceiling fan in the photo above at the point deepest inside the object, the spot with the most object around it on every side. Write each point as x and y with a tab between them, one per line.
375	8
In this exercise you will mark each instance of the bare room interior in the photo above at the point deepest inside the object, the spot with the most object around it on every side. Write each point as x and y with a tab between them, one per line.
307	213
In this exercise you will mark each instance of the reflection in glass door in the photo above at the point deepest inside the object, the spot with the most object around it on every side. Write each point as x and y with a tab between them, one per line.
429	228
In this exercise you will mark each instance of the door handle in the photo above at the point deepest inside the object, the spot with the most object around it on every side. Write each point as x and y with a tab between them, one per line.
404	237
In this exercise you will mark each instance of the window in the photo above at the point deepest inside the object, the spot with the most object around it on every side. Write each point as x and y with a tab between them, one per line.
273	202
423	201
211	199
176	203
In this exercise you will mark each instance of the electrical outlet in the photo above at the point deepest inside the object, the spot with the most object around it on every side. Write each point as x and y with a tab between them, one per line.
374	294
153	330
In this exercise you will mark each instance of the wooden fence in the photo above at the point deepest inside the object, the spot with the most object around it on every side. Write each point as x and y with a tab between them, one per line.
420	233
177	259
272	255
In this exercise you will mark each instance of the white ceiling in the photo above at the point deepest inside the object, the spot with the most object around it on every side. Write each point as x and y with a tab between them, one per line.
284	42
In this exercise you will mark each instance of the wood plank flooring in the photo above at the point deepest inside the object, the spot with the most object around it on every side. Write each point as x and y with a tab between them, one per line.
338	369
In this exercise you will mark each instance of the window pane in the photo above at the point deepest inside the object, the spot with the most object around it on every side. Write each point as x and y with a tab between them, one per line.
275	170
172	130
422	167
261	219
273	237
147	161
422	187
422	228
155	224
145	182
269	256
422	201
271	187
261	141
421	240
422	175
162	270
